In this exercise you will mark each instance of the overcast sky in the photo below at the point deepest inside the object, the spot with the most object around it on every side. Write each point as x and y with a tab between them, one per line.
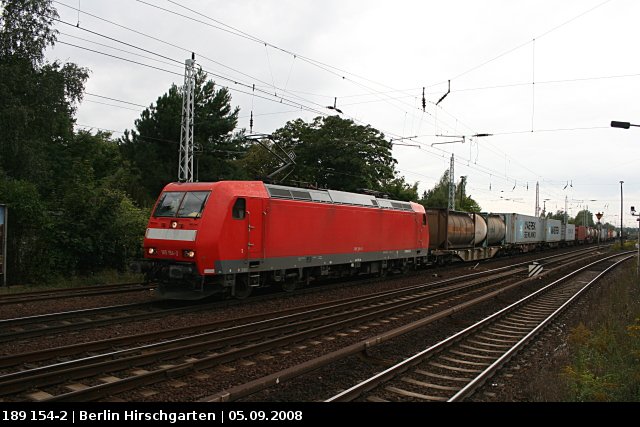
544	77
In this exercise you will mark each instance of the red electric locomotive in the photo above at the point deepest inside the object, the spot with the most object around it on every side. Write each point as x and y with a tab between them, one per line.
229	237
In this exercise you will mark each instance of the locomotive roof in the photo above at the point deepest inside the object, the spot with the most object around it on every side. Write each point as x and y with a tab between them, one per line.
304	194
333	196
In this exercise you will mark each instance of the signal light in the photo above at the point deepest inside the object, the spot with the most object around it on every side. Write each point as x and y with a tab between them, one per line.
188	253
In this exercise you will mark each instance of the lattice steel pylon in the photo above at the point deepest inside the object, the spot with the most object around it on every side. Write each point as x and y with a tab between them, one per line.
185	164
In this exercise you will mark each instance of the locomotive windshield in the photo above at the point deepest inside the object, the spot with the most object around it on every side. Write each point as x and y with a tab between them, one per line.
181	204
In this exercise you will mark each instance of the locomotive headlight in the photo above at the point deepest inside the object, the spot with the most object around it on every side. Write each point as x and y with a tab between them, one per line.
188	253
174	224
151	251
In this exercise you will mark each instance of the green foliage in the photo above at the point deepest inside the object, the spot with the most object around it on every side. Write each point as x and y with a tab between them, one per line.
27	29
584	217
97	227
605	362
438	196
153	146
36	115
65	191
332	152
560	215
335	153
28	230
399	189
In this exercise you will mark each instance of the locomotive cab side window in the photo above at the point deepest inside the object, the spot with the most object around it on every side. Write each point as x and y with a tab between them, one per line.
239	209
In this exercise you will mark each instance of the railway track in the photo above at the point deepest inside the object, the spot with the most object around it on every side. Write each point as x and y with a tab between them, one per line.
456	367
85	291
56	323
46	324
113	372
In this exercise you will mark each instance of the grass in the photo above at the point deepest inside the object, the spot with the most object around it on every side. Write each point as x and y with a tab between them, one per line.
605	349
106	277
629	245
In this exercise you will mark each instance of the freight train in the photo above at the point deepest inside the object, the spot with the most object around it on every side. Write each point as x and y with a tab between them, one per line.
231	237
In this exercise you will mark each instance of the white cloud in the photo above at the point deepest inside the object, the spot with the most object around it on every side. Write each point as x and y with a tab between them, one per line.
408	45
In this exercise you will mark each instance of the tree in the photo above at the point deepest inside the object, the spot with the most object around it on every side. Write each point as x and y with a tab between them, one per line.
560	215
153	146
332	152
399	189
37	101
438	196
28	229
584	217
463	202
27	29
69	213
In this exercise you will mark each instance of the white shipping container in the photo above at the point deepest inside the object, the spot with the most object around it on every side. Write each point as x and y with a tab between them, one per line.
523	228
552	228
570	233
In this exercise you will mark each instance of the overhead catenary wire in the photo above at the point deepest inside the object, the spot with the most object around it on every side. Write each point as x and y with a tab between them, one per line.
497	133
479	168
278	99
171	44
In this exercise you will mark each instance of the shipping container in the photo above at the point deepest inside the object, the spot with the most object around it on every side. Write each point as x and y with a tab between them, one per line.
569	233
552	230
523	229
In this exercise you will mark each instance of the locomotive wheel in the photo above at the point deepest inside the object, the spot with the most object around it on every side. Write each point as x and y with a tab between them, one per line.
241	289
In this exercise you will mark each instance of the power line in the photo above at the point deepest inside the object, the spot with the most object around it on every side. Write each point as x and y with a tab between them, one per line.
115	99
110	105
199	54
235	81
119	50
278	100
319	104
530	41
120	58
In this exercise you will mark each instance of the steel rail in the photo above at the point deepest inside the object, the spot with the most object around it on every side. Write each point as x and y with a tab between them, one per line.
394	371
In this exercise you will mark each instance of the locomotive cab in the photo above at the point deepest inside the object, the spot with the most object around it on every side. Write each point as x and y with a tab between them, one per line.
196	225
171	237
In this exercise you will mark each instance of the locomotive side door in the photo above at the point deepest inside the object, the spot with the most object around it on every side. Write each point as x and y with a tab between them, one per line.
255	228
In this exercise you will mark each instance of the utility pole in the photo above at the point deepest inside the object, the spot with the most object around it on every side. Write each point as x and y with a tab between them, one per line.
621	212
633	212
452	187
185	163
537	199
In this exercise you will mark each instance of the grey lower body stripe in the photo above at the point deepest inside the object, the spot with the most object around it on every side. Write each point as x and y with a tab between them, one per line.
270	264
